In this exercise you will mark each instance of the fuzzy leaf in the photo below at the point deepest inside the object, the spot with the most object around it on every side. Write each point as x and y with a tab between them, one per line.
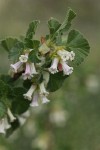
53	25
32	29
8	43
32	44
16	51
19	105
6	90
33	57
67	22
79	45
55	81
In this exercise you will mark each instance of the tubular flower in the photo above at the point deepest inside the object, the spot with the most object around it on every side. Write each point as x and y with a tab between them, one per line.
43	91
4	125
44	99
10	115
33	69
30	71
28	95
53	69
64	55
34	102
27	74
16	66
66	69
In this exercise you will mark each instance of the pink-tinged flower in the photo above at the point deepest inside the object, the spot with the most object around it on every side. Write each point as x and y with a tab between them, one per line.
16	66
23	58
27	74
34	102
53	69
30	92
66	69
43	91
44	99
33	69
10	115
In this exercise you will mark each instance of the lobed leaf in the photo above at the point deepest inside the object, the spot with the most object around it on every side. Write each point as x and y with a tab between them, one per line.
78	44
33	56
32	29
16	51
8	43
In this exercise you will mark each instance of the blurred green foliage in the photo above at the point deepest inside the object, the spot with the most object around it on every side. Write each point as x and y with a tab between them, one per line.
71	121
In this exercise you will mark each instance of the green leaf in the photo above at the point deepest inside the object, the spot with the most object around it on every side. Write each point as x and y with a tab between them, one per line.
32	29
32	44
19	105
3	110
27	84
58	29
55	81
53	25
79	45
33	56
8	43
6	90
6	79
16	51
67	22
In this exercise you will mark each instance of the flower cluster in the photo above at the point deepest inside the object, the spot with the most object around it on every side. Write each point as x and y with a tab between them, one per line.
60	62
39	67
59	58
29	70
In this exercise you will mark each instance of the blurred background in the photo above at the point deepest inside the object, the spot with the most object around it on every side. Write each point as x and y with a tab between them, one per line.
71	121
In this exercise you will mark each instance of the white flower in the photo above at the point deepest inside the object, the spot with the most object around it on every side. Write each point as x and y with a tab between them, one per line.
4	125
29	71
66	69
27	74
44	99
33	69
46	76
10	115
72	55
28	95
64	55
23	58
43	89
34	102
44	49
16	66
53	69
